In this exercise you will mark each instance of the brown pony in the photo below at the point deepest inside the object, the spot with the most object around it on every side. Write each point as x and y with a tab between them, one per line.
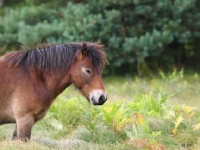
31	80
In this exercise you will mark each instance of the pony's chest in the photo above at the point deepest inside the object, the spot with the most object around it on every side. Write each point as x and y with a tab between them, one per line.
39	115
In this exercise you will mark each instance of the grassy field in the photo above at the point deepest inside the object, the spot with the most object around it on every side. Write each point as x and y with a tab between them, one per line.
160	113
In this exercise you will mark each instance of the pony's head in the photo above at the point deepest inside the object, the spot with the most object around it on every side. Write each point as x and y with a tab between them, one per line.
86	71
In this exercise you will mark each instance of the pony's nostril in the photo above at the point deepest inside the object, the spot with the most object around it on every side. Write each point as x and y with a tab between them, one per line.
102	99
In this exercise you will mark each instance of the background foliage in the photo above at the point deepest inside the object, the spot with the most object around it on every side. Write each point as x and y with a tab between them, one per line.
162	33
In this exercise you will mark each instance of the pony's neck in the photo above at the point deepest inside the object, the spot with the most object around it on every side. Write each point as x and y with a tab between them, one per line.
56	82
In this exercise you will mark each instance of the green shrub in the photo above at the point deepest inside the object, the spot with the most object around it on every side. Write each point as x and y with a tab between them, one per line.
131	30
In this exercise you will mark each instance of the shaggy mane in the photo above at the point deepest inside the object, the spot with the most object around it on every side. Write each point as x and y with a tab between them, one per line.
56	56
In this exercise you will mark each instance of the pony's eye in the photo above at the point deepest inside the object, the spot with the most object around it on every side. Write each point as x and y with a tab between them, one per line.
88	71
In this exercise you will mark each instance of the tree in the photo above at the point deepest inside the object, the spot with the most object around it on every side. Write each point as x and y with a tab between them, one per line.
1	3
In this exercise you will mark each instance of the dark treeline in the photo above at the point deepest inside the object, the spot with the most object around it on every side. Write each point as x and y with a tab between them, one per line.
139	35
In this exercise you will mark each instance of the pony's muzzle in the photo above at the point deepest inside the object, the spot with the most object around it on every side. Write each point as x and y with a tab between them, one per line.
98	97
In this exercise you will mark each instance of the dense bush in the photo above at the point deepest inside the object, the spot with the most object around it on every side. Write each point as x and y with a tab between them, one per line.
132	30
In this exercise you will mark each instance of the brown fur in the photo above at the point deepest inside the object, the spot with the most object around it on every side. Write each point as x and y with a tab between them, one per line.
31	80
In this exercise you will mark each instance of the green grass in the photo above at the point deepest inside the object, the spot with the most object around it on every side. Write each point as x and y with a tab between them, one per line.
141	114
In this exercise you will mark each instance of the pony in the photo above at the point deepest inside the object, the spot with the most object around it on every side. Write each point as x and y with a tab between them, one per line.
31	80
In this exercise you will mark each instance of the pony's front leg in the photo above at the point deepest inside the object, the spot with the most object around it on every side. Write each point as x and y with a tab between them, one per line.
15	133
23	127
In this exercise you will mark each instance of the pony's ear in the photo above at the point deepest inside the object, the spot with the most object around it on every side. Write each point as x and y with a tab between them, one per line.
84	49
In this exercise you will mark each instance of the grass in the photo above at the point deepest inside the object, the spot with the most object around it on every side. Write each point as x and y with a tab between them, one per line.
182	88
141	114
